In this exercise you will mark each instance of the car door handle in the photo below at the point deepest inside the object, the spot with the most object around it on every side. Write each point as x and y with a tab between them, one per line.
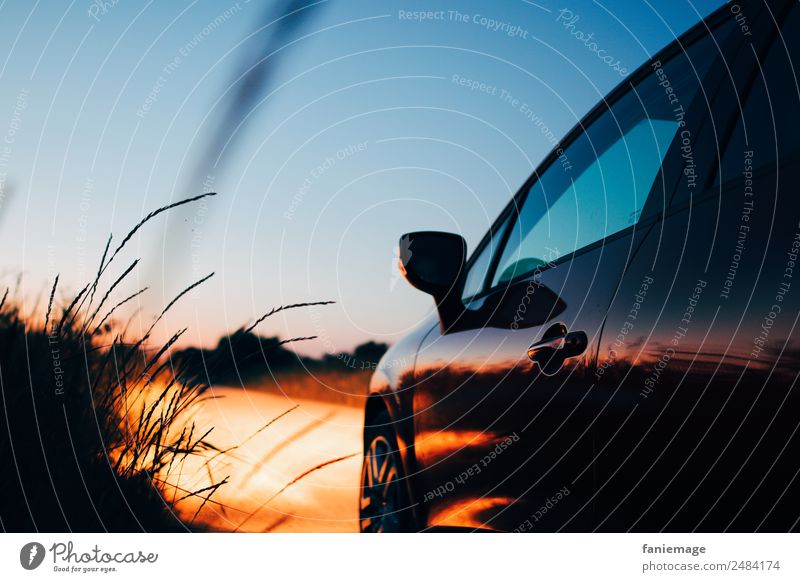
553	343
551	351
573	344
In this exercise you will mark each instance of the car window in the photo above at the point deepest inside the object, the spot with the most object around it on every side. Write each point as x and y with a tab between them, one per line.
476	275
600	185
767	128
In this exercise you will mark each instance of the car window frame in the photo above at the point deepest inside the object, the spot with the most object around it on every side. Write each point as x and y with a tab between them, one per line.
496	230
695	34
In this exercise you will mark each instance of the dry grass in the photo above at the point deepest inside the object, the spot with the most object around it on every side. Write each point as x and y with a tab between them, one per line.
92	422
95	425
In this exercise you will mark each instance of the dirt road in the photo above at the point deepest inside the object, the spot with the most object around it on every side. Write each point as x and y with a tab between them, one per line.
260	495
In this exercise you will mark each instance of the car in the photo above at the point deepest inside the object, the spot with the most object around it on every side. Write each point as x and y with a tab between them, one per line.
620	351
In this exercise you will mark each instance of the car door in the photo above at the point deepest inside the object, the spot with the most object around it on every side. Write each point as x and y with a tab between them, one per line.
699	417
504	401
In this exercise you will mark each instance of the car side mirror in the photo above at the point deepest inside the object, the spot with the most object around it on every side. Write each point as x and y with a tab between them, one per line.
433	262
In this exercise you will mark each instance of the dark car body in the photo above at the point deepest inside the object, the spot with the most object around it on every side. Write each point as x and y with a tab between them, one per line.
641	374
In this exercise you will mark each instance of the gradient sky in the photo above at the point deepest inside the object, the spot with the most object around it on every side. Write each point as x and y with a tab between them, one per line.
365	133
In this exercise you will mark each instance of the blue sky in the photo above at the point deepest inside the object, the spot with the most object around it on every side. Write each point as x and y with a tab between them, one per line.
377	122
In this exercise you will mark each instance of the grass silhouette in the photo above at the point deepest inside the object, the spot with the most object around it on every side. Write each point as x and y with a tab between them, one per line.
93	425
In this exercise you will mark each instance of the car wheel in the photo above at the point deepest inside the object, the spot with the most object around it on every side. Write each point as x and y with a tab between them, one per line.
384	502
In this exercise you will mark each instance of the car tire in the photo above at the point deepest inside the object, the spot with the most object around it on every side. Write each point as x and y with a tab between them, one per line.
383	499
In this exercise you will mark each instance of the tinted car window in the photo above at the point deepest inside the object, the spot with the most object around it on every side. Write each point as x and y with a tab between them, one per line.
609	171
770	117
479	269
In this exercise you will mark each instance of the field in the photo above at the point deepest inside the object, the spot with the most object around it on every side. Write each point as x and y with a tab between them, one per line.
257	497
107	432
336	387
